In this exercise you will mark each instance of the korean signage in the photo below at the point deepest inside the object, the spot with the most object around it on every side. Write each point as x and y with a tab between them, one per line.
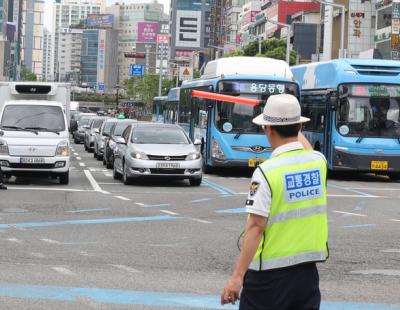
147	31
100	21
162	39
395	40
188	28
395	26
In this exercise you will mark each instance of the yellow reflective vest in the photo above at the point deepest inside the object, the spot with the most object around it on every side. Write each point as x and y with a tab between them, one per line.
297	227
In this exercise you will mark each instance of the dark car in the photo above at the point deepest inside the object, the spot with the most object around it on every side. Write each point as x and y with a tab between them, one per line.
111	141
83	124
101	137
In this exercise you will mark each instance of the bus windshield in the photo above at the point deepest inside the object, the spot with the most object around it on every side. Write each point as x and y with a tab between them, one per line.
237	118
369	110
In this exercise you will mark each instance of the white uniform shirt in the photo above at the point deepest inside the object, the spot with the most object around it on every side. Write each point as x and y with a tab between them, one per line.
259	197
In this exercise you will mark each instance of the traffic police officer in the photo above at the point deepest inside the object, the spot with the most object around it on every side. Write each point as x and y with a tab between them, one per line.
287	230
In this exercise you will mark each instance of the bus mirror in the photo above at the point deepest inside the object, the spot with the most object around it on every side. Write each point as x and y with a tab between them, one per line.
197	142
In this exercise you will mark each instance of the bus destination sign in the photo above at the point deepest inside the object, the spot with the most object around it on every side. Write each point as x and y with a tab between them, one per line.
259	87
375	90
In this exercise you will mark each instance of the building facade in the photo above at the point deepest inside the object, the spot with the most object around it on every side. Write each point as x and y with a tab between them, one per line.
138	24
360	21
69	48
68	13
32	36
190	30
385	14
46	72
99	59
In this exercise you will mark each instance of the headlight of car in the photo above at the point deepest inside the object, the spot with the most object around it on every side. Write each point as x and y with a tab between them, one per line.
3	148
139	155
193	156
216	150
62	148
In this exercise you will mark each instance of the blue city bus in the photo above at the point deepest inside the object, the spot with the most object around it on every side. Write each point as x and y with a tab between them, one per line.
172	106
225	130
158	109
354	109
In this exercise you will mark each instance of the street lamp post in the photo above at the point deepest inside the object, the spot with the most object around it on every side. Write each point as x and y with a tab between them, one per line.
287	37
343	9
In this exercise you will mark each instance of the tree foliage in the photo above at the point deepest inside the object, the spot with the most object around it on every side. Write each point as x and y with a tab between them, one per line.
145	88
27	75
273	48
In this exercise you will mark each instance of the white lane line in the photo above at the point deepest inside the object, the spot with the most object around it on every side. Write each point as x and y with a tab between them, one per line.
140	204
376	189
15	240
109	183
63	270
169	212
82	164
349	213
390	251
50	241
122	198
108	174
354	196
76	154
95	185
78	158
126	268
394	220
38	255
200	221
50	189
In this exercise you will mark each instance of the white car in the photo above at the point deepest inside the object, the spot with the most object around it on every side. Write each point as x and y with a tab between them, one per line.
157	150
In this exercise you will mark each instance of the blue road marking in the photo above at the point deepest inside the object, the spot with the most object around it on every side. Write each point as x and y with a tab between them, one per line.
350	190
153	299
84	222
360	225
87	210
222	189
236	210
200	200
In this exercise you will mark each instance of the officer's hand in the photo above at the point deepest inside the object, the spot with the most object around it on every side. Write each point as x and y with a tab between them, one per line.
231	291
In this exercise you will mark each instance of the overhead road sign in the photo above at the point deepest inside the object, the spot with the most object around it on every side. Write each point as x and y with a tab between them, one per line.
136	70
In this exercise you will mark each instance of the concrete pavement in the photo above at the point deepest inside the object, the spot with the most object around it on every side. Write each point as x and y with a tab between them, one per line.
161	244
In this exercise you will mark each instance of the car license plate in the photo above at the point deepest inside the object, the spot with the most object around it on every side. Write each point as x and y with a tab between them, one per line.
167	165
254	162
32	160
379	165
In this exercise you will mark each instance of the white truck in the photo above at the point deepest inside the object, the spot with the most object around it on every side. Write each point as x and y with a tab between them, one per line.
34	128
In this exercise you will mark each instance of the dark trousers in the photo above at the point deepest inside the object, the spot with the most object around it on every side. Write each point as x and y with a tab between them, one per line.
1	176
293	288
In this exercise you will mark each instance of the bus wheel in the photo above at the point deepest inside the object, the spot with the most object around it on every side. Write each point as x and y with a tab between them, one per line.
206	168
394	176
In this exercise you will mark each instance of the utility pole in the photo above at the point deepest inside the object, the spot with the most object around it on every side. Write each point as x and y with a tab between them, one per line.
161	46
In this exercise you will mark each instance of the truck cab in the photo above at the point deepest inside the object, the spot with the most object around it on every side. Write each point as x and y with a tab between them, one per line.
34	129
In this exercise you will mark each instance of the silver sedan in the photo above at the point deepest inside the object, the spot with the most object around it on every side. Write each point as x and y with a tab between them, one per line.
158	150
